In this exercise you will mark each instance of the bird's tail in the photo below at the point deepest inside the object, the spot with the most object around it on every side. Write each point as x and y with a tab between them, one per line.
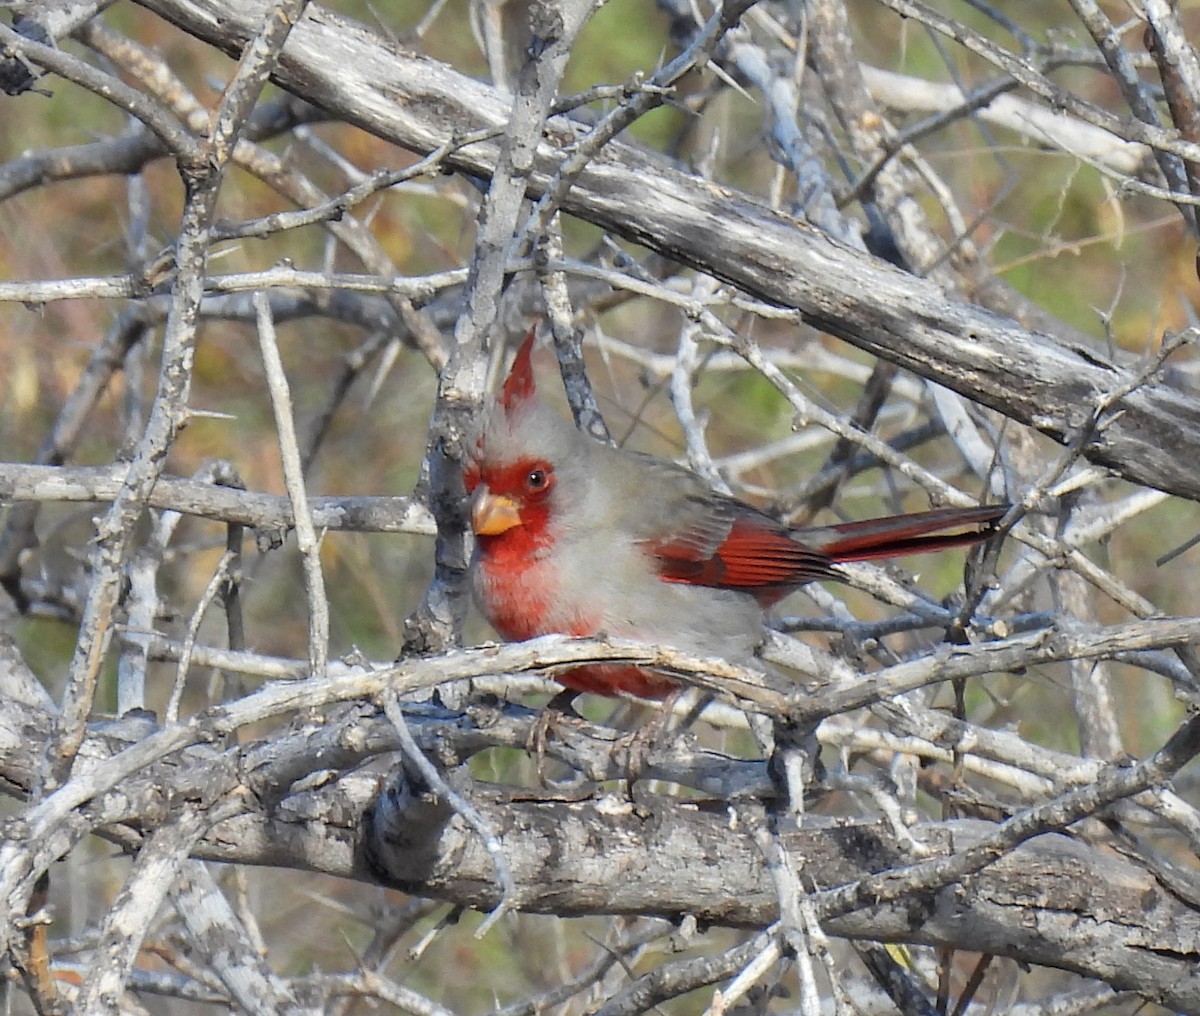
896	535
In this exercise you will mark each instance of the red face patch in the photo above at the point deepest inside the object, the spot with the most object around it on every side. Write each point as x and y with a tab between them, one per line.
527	482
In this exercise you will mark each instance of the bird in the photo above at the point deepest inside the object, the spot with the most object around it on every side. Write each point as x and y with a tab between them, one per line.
573	536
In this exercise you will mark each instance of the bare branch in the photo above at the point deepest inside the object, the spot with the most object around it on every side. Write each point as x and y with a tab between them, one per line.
883	310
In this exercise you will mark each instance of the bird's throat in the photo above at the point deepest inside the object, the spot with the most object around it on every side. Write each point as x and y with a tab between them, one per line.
515	584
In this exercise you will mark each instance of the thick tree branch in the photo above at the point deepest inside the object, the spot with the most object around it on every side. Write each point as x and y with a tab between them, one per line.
1051	384
1052	900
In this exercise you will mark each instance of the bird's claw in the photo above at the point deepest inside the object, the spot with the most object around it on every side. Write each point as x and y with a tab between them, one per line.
560	708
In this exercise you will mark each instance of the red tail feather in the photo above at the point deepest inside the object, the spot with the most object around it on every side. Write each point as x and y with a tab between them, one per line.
905	534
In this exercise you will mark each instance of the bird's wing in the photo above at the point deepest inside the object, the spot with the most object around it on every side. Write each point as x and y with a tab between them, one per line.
706	539
710	540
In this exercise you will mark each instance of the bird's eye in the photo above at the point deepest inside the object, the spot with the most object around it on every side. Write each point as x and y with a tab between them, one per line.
536	479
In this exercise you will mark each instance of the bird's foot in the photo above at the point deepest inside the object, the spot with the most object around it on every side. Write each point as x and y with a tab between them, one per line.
632	753
560	708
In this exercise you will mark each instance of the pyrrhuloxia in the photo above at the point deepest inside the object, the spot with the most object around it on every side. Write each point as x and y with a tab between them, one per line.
575	537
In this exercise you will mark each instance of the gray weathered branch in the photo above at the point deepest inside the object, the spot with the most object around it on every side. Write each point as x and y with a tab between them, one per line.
1052	900
1053	384
98	484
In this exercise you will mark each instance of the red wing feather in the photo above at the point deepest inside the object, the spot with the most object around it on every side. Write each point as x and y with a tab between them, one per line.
757	556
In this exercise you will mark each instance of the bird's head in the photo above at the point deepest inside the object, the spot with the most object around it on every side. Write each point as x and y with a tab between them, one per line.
515	459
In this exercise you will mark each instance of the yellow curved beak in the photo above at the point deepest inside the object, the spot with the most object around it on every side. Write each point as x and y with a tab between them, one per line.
492	514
